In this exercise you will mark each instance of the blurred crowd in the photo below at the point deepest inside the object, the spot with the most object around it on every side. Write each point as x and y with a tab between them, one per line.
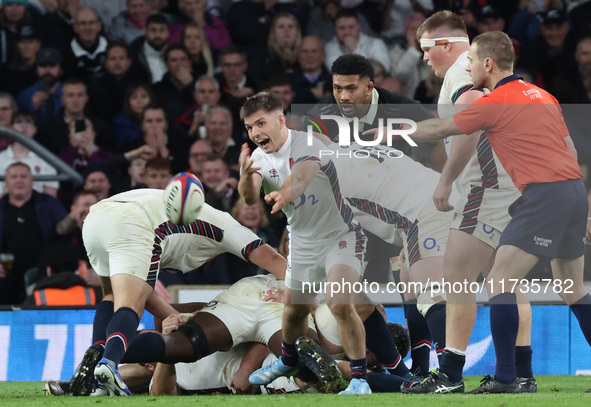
130	92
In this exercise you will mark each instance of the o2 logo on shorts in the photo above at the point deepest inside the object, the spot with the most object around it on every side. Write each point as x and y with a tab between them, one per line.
489	230
430	244
302	200
211	304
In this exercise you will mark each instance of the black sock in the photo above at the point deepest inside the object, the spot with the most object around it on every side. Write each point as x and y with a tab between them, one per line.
420	339
358	369
436	320
120	330
385	383
102	317
144	348
582	310
452	365
504	324
290	354
523	361
379	341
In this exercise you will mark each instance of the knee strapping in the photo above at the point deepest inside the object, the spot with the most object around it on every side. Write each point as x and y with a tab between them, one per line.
196	336
426	298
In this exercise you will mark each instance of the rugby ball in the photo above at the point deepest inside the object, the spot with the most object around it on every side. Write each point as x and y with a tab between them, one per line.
183	198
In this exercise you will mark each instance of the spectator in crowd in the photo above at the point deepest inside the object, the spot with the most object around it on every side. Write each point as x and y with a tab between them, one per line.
406	57
164	142
84	56
97	180
43	98
350	40
61	285
382	79
321	22
107	10
218	133
247	37
107	93
27	218
57	28
524	24
7	109
573	86
24	123
235	84
199	150
147	51
135	175
309	76
19	73
395	15
283	46
197	46
175	91
194	11
69	229
126	125
13	14
131	23
82	150
281	86
157	173
490	19
221	189
55	133
552	51
207	94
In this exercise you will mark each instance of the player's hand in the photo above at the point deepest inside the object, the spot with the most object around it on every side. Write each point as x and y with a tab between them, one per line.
441	197
276	200
174	322
246	163
241	384
275	295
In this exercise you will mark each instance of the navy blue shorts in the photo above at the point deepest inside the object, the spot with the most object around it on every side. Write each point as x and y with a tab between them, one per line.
550	221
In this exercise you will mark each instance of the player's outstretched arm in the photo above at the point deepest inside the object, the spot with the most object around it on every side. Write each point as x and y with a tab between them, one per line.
164	380
252	360
249	186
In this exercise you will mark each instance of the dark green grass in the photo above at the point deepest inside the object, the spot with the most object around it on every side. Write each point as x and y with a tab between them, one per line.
553	391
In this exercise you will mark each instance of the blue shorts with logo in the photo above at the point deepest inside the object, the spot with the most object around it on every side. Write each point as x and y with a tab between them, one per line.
550	221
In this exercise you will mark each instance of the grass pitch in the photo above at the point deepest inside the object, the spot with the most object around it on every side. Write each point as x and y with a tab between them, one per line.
553	391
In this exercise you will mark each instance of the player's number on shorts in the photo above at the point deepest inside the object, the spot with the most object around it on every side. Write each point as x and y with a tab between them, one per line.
302	200
430	244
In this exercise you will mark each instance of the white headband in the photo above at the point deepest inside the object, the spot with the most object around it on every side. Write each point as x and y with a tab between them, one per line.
431	42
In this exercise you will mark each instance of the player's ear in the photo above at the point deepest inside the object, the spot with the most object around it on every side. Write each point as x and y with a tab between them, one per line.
282	120
370	86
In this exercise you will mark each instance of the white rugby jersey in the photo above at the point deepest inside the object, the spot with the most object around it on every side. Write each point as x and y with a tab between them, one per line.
320	212
387	189
181	249
484	168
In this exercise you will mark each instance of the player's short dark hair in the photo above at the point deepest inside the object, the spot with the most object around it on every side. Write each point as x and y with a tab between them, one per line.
174	47
495	45
353	64
346	13
117	44
157	19
400	337
231	50
158	163
266	101
444	19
